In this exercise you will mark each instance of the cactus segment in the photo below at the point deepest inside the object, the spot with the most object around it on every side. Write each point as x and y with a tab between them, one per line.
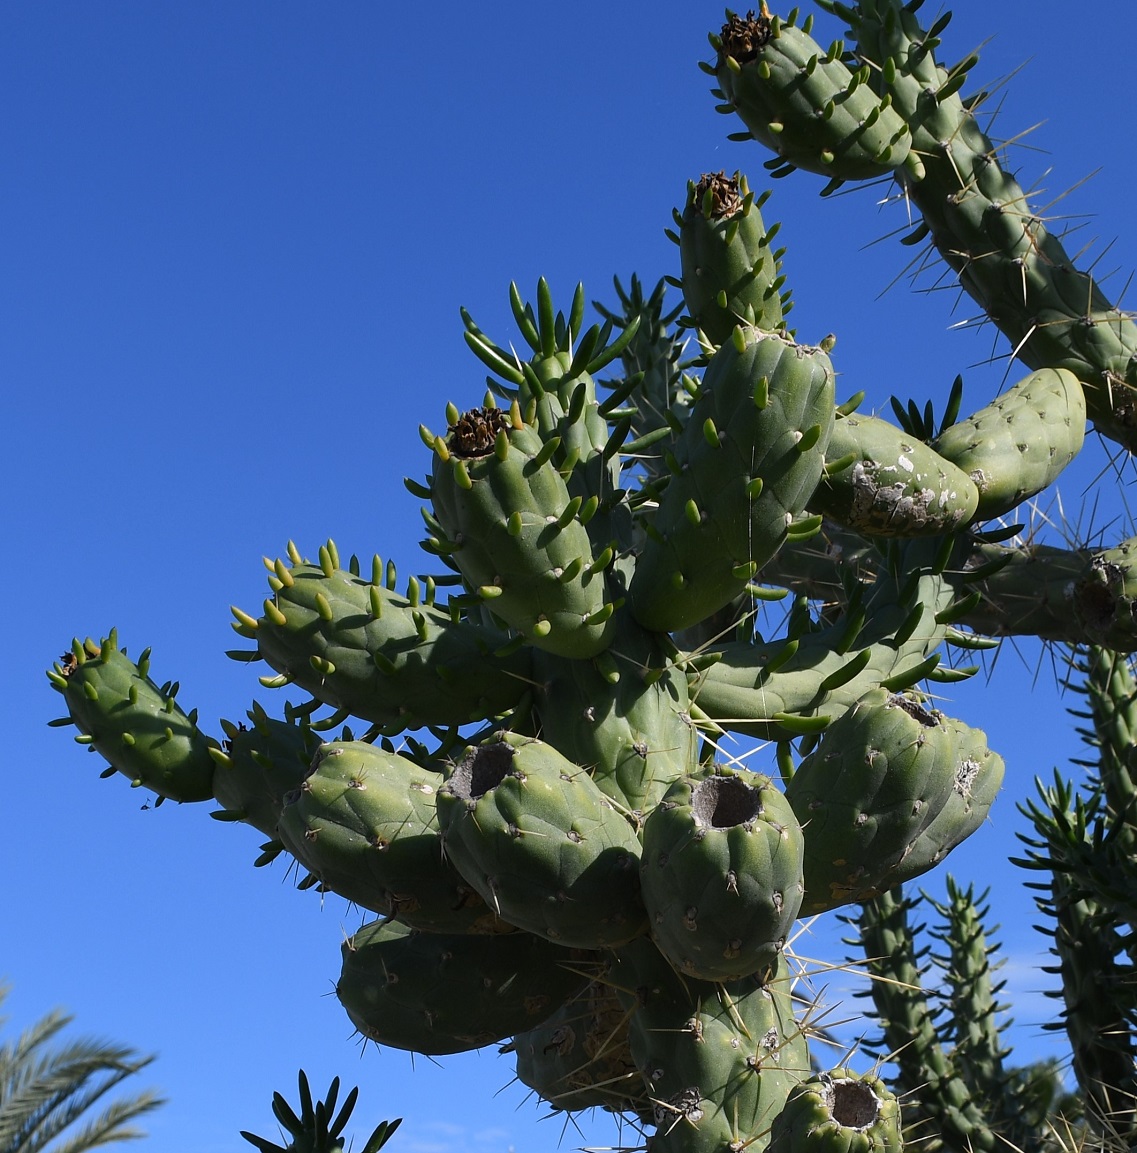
356	645
718	1060
894	485
543	846
580	1058
838	1112
263	762
555	388
730	273
721	874
438	993
749	691
728	508
1019	444
804	103
499	496
978	778
137	726
890	787
634	736
363	822
982	224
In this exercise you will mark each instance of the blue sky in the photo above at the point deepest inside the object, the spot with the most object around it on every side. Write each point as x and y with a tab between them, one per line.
237	240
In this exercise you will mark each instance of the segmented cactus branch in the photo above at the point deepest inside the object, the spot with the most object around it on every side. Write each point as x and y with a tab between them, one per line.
514	762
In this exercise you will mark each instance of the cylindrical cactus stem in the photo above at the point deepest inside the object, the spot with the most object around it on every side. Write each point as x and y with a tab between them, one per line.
259	764
1111	688
556	390
363	822
132	722
838	1111
651	395
519	536
1105	599
542	845
1096	986
889	790
730	272
1019	444
971	1026
982	224
1084	846
939	1113
722	874
804	102
579	1058
718	1060
776	690
625	718
439	993
399	661
748	460
880	481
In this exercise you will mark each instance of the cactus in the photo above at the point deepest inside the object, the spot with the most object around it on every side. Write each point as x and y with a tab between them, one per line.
537	804
318	1128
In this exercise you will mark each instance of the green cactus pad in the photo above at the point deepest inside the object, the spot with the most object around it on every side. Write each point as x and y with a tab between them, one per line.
544	847
838	1112
363	822
259	764
132	722
518	535
1019	444
894	484
722	874
438	993
804	103
878	780
730	273
579	1058
401	662
748	460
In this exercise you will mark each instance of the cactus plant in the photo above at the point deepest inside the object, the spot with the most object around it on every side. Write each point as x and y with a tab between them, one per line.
536	801
318	1128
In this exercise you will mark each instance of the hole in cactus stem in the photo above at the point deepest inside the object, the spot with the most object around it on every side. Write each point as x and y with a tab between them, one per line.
853	1104
481	769
723	802
916	710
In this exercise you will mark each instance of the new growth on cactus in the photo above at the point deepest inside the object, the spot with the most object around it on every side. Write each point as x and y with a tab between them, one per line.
649	533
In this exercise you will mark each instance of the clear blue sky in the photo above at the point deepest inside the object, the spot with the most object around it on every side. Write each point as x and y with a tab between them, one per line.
236	241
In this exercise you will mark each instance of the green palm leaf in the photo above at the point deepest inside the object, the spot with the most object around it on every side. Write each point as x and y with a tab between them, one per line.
48	1090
